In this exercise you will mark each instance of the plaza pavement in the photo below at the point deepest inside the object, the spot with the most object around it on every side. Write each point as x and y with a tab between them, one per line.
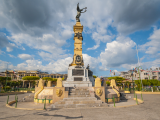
149	110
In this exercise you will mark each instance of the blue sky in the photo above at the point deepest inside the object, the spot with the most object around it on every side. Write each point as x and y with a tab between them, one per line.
38	34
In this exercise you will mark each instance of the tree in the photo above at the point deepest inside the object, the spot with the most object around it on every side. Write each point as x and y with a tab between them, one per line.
108	83
53	80
94	76
14	83
3	80
127	83
117	79
47	79
30	79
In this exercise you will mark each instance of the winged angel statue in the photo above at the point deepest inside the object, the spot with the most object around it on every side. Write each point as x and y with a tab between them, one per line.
79	11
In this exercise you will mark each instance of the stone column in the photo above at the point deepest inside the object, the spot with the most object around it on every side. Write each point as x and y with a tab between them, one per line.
29	84
23	83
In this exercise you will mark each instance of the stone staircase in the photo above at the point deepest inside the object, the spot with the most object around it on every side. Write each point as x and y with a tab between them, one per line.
79	97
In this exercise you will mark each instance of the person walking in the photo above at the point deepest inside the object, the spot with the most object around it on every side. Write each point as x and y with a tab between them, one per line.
102	81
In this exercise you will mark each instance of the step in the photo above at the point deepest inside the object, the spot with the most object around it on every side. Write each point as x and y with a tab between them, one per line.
79	102
79	98
85	93
78	90
78	105
79	95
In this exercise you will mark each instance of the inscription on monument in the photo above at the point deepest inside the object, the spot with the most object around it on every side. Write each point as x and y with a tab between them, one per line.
77	72
77	79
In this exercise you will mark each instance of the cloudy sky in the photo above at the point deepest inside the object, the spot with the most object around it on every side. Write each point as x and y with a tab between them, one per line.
38	34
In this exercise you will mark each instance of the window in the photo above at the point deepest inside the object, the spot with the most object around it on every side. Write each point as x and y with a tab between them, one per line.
146	78
54	76
144	73
57	76
51	76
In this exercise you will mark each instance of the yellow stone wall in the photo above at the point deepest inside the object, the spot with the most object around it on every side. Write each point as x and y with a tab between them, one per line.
102	95
59	82
58	98
97	82
49	84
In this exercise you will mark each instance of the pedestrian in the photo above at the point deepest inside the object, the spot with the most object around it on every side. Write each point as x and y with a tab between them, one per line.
102	81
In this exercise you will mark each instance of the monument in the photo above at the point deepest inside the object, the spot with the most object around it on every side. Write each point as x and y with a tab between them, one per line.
78	74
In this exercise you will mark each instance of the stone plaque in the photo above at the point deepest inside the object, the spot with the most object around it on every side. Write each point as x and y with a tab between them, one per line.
77	72
77	79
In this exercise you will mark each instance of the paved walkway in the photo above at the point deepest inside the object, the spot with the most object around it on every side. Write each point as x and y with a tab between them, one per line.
149	110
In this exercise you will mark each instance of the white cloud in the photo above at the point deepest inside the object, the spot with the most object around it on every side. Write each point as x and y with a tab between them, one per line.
94	47
52	56
145	65
25	56
118	52
115	73
152	47
12	56
59	66
1	52
93	62
98	37
8	49
3	65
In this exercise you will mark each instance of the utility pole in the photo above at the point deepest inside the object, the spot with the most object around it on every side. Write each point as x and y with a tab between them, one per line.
7	77
132	79
139	67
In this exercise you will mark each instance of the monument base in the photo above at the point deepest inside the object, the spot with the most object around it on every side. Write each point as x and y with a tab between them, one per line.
77	84
79	76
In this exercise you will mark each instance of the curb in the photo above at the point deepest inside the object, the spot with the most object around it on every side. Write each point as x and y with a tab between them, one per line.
12	102
139	101
153	93
12	93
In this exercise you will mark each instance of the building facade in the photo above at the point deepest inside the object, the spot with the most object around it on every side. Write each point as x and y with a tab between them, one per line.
144	74
17	75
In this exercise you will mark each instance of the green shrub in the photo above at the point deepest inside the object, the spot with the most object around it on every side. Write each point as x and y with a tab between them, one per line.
30	78
108	83
94	76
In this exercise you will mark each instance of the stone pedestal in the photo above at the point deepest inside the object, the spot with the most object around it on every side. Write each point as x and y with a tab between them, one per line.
79	76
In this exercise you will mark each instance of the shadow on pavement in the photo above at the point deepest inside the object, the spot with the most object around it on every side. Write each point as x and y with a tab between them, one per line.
55	115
